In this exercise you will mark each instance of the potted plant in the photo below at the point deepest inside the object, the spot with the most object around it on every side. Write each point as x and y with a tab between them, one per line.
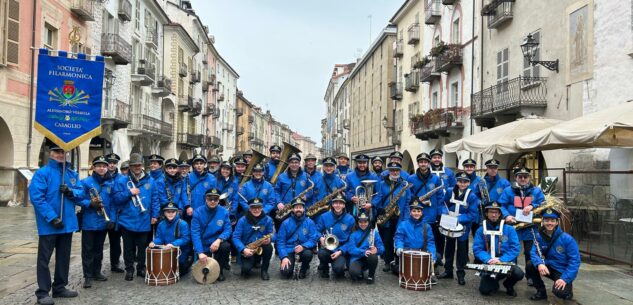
438	49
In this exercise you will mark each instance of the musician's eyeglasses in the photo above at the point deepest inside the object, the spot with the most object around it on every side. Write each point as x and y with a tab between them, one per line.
523	177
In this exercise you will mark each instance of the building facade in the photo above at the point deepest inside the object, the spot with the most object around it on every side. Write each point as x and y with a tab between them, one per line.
335	136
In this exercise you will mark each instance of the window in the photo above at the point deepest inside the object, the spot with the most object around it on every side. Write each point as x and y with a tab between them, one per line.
49	37
110	25
434	101
529	70
137	15
502	70
454	94
9	31
455	33
414	109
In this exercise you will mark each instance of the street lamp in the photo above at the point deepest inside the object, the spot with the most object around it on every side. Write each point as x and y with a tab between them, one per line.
529	48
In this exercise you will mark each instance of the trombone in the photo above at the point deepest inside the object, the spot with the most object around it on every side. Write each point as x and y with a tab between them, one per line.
94	195
136	199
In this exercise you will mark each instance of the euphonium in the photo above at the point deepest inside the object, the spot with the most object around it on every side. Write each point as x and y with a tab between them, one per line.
94	195
136	199
392	209
283	161
364	193
330	241
257	245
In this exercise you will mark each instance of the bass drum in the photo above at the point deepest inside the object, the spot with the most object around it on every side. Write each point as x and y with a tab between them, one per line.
162	266
415	270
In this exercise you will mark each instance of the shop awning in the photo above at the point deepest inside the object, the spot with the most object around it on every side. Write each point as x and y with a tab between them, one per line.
612	127
500	139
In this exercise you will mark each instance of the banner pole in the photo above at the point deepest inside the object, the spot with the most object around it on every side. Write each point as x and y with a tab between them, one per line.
61	208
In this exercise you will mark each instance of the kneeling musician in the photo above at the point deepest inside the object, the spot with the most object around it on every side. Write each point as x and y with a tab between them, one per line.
335	226
252	237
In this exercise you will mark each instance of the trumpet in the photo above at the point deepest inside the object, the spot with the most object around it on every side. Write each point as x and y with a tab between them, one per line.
94	196
364	193
330	241
136	199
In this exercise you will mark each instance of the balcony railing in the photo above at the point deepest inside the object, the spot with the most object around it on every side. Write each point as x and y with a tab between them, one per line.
182	70
239	111
432	11
413	33
163	87
227	127
212	141
438	122
220	97
412	81
448	2
429	72
251	135
116	113
216	113
417	61
251	118
205	86
498	12
210	109
397	48
84	9
189	139
151	39
240	130
144	74
451	57
152	126
195	76
196	110
185	103
114	46
395	89
125	10
510	97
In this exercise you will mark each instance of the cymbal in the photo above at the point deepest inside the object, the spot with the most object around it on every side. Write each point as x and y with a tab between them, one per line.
208	273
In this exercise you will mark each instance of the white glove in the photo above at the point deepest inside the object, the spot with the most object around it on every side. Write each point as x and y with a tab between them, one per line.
399	251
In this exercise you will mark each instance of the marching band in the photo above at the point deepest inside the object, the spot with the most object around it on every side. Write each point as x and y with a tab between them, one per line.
260	208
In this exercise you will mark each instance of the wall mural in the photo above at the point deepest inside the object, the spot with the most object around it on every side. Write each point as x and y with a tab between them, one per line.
579	41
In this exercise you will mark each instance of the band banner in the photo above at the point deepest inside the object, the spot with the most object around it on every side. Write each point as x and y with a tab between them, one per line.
68	98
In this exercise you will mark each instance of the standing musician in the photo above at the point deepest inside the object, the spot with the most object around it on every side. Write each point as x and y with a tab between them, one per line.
240	167
395	157
55	223
125	168
462	202
132	196
501	238
328	183
210	231
363	250
247	155
97	200
353	180
174	185
197	184
256	187
437	167
338	223
273	162
157	173
495	185
423	182
156	166
174	232
309	166
297	236
555	255
415	233
227	184
291	183
387	190
184	168
114	234
376	165
254	227
470	166
213	164
523	196
343	169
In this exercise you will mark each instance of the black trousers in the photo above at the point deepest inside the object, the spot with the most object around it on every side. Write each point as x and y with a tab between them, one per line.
114	237
387	234
439	241
357	267
221	255
462	255
92	252
527	248
531	272
305	257
338	265
134	245
61	244
248	263
489	285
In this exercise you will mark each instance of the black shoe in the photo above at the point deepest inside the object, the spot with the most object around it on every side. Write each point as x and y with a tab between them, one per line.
221	277
530	283
540	294
445	275
100	277
369	280
265	276
510	290
116	269
140	272
47	300
258	264
87	283
65	293
386	268
129	275
433	280
440	263
325	274
302	274
461	281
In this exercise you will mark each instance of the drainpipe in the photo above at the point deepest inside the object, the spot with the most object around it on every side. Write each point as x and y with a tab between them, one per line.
30	118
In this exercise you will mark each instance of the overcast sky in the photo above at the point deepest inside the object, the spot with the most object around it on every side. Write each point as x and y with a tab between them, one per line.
285	50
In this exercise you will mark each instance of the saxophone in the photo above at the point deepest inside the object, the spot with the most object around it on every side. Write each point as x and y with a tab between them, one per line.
392	209
283	213
257	245
322	205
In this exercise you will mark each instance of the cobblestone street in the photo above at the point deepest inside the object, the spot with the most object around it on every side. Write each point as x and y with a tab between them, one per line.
18	247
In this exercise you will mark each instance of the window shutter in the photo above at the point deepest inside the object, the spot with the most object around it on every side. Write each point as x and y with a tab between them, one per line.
13	33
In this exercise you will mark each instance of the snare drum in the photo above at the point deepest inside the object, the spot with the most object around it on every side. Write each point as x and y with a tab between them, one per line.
458	232
162	266
415	270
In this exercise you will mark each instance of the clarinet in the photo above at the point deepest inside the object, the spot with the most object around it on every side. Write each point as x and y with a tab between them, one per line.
295	272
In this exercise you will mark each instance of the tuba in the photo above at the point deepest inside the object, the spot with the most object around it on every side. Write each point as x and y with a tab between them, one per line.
330	241
364	193
257	158
283	160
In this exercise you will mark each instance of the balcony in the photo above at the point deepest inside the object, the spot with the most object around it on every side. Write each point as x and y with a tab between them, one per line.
429	73
205	86
211	79
185	103
151	38
413	33
239	111
125	10
520	96
196	110
251	135
83	9
432	11
448	2
396	138
397	48
498	12
240	131
115	113
147	125
162	88
346	124
212	141
451	57
257	141
227	127
182	70
417	61
216	114
189	139
210	110
412	81
395	89
114	46
195	77
251	118
440	122
144	74
220	97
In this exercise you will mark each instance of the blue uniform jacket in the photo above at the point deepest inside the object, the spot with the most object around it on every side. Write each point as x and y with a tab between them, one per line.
410	235
423	184
166	233
474	184
353	180
228	186
511	195
130	216
343	171
356	251
157	173
381	198
116	207
257	189
341	226
91	221
176	187
208	225
496	186
468	210
403	174
161	188
306	235
507	245
196	185
246	233
288	188
270	168
446	174
563	255
326	185
46	198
